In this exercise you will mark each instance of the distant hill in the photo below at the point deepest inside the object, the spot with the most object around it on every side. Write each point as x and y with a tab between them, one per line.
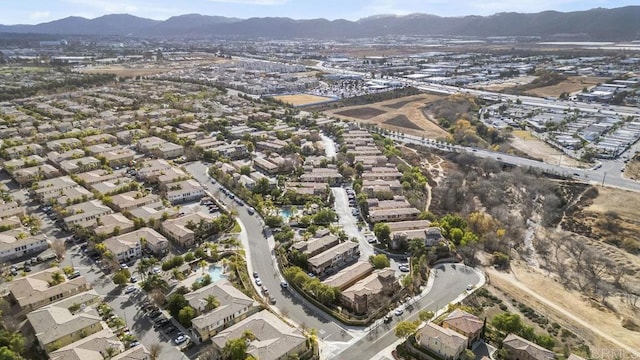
595	24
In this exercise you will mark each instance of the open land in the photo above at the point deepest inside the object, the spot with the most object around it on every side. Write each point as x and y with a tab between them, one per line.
523	141
302	99
404	115
125	71
632	171
597	325
570	85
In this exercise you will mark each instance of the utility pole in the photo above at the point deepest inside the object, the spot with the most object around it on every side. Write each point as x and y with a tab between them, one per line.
603	177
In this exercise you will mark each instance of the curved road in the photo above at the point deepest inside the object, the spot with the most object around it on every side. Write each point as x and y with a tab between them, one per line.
450	281
263	262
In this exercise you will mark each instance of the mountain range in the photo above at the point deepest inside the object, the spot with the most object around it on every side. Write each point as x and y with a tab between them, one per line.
598	24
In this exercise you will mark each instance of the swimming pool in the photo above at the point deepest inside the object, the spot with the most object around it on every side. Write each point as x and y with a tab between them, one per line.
285	213
215	272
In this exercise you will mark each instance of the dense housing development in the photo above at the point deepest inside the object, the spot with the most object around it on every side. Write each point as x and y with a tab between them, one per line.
225	197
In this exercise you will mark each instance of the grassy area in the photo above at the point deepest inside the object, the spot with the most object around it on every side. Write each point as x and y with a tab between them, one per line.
236	228
523	134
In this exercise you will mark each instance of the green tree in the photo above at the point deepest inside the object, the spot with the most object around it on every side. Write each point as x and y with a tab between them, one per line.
175	303
324	217
121	277
56	278
188	257
235	349
273	221
379	261
212	303
382	232
467	354
425	315
185	315
406	328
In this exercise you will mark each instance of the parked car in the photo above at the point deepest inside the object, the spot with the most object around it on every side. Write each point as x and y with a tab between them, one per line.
255	275
284	285
169	329
130	289
74	275
258	282
404	268
161	323
180	339
155	314
398	312
272	300
265	290
387	319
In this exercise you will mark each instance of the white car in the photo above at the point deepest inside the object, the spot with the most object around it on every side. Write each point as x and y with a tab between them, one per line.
130	289
180	339
469	287
398	312
258	282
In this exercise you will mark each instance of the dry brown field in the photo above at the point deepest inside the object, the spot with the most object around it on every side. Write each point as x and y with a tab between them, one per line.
301	99
403	114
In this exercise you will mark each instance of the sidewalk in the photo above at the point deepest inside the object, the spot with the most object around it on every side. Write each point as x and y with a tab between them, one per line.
387	352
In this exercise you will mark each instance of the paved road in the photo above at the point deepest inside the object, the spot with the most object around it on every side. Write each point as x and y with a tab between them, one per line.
125	306
262	261
450	282
608	173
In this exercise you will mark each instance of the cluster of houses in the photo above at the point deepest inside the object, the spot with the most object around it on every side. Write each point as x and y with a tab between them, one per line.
63	318
234	315
606	135
460	330
253	77
385	201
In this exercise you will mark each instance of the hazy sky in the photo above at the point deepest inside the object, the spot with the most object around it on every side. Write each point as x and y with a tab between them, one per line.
37	11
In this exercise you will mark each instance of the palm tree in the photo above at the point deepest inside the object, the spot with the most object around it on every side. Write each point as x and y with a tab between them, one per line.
203	264
57	278
212	303
110	352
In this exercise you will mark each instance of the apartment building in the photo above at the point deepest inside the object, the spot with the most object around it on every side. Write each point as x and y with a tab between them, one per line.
273	339
234	306
33	291
12	248
334	257
85	213
182	230
183	191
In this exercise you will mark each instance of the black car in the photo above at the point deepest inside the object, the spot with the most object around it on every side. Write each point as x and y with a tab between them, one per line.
387	319
169	329
155	314
161	323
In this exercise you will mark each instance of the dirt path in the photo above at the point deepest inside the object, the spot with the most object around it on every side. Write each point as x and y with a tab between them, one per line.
566	309
431	168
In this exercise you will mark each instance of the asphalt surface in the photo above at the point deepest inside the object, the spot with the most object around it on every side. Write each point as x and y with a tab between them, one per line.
262	261
451	280
608	173
126	306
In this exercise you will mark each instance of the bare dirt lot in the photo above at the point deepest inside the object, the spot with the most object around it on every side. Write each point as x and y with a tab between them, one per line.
302	99
597	325
523	141
404	115
632	170
123	71
571	85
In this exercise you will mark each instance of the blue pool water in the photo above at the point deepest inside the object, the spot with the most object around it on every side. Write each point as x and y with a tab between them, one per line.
285	213
215	272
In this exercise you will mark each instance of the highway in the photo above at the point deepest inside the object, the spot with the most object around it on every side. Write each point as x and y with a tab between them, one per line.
608	172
